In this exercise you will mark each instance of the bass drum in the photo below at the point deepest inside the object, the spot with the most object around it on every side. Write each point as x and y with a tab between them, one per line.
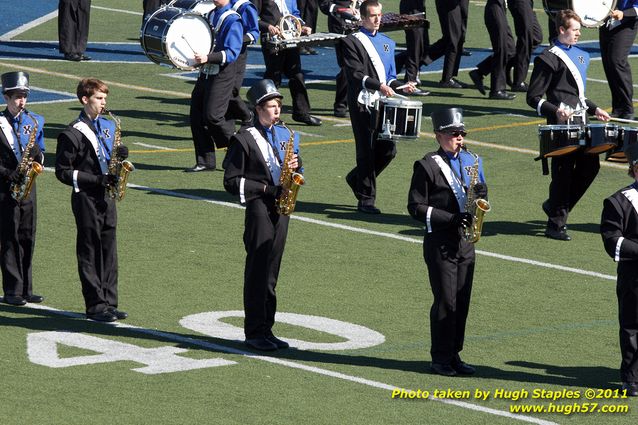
593	13
172	36
197	6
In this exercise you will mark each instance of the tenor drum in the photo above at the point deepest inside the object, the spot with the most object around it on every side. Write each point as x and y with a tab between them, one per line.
593	13
601	138
398	118
172	36
626	136
197	6
557	140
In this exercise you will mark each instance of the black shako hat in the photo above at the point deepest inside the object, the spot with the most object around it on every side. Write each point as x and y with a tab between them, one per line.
631	152
15	81
262	91
448	119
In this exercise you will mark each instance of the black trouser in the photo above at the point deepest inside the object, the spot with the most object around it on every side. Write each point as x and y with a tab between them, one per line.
288	63
341	82
209	104
17	243
528	36
615	46
73	25
450	264
309	10
372	155
151	6
417	40
451	17
96	248
502	45
627	293
572	175
264	239
237	108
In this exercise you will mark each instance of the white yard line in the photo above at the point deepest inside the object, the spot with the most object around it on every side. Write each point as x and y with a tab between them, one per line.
169	336
382	234
25	27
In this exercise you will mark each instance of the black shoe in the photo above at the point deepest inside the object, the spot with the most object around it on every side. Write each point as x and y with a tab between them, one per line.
452	84
14	300
198	168
247	122
368	209
521	87
340	113
631	388
463	368
75	57
311	51
351	180
546	208
261	344
307	119
103	316
502	95
278	342
34	299
466	52
477	79
84	57
121	315
443	369
558	234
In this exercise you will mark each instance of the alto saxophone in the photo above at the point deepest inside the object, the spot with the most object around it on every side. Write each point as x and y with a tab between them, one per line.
289	179
477	207
28	169
118	167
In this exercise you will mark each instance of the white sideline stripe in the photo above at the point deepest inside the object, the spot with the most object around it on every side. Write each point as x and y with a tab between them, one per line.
288	363
130	12
164	148
596	80
25	27
382	234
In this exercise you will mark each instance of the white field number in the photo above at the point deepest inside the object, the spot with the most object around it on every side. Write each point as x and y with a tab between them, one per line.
42	347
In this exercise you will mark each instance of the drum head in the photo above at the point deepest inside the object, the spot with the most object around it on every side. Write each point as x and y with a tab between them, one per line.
593	13
187	34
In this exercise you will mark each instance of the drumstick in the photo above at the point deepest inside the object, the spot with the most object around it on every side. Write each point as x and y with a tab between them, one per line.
189	45
400	96
623	120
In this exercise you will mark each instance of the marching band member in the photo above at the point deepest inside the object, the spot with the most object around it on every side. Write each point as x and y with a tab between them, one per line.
214	87
528	35
252	171
250	21
619	230
437	198
368	60
17	218
616	40
73	28
286	61
560	73
82	157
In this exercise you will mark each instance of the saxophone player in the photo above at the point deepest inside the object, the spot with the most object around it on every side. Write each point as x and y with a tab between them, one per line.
253	166
82	157
18	217
437	198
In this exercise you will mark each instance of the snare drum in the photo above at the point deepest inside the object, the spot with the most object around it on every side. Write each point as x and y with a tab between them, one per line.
626	136
593	13
557	140
601	138
399	119
197	6
171	36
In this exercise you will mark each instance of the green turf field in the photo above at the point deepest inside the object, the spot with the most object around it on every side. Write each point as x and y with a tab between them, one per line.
543	315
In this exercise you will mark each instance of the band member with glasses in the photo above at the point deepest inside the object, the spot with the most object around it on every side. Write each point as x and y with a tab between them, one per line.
560	74
437	198
18	218
213	91
368	60
83	153
252	171
619	229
